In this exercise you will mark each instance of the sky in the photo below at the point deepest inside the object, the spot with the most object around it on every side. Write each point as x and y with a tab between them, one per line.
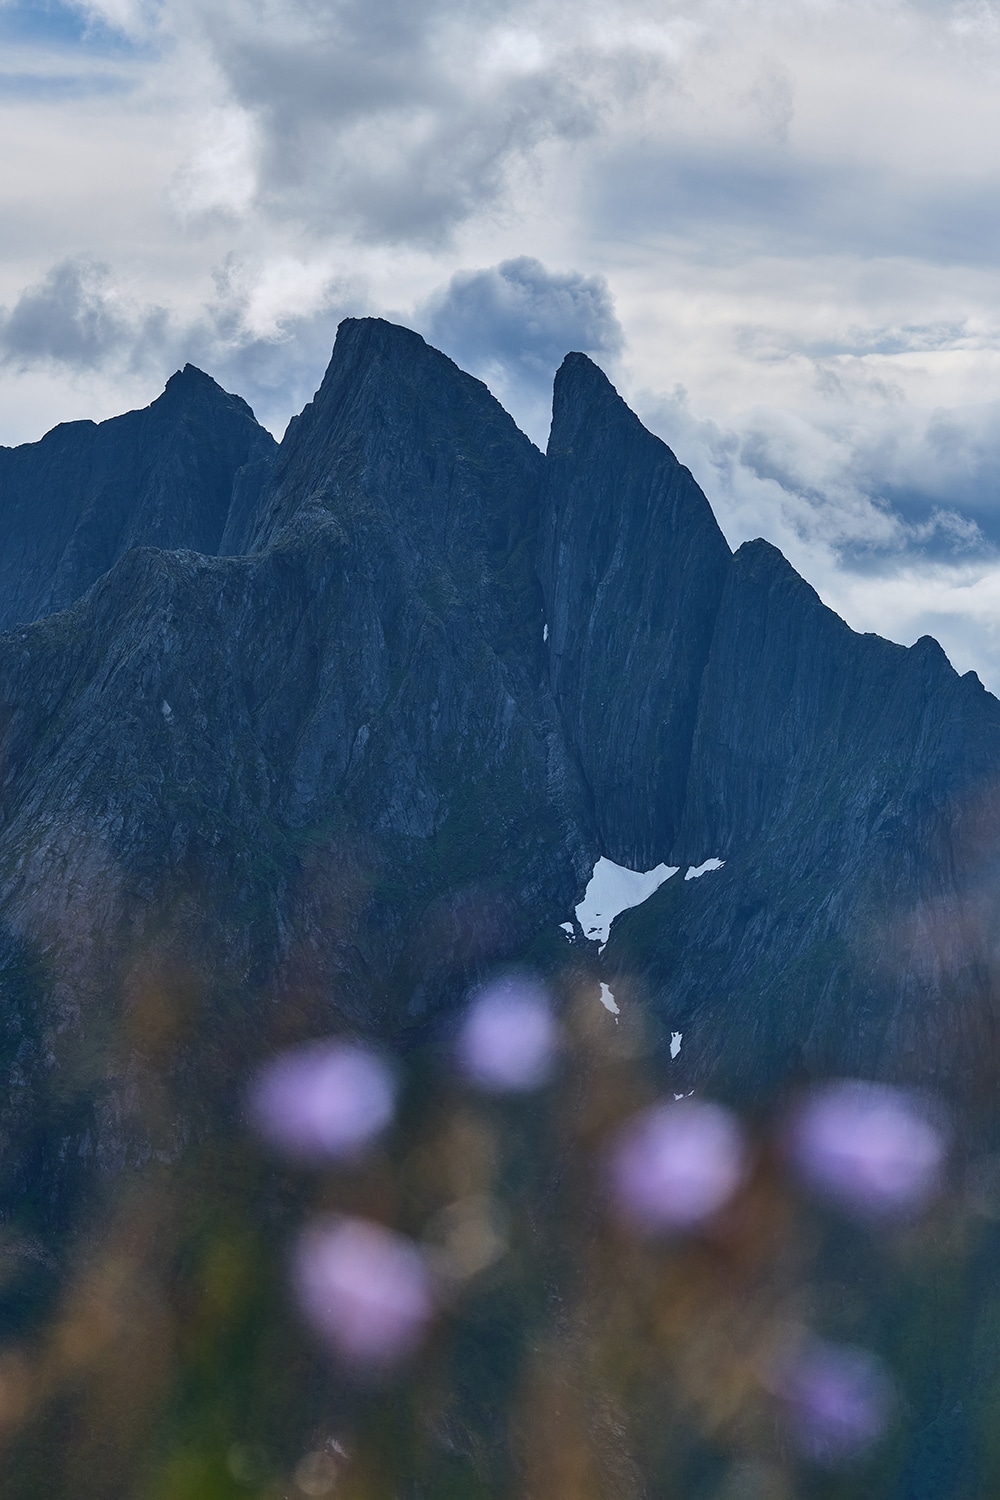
775	223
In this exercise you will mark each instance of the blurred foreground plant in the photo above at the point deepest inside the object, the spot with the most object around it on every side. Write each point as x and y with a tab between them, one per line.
511	1263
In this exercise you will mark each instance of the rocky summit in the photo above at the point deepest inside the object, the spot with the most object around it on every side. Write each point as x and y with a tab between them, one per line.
308	738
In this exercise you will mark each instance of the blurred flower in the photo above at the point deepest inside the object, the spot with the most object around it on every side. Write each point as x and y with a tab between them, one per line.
467	1236
366	1291
871	1148
508	1037
325	1100
838	1400
675	1165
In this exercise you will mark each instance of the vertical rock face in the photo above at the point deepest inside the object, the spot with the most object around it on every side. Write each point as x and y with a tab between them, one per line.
839	777
401	442
633	565
75	501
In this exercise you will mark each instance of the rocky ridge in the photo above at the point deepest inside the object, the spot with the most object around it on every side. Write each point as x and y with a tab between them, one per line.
346	724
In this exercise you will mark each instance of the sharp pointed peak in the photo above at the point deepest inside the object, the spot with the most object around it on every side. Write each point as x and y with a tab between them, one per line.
761	559
190	376
584	400
579	372
369	341
378	330
372	353
192	384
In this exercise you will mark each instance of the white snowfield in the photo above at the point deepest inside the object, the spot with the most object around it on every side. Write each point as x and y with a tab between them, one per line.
608	1000
695	871
676	1037
611	890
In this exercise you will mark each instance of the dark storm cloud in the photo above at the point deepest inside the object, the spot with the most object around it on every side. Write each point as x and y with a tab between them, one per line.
513	323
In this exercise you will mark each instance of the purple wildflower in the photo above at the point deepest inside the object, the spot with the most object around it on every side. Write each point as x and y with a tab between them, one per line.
367	1292
838	1401
508	1037
870	1148
327	1100
674	1166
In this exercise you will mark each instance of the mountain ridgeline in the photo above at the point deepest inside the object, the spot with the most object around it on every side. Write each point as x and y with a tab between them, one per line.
308	738
343	724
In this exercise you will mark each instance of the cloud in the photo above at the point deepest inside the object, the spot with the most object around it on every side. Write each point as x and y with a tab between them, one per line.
221	173
774	201
513	323
74	317
388	120
267	332
866	496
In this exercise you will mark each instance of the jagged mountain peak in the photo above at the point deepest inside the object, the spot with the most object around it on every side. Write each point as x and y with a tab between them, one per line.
632	563
191	385
585	403
401	445
397	365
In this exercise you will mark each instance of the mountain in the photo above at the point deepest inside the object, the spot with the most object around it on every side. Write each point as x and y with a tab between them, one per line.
385	739
312	739
326	773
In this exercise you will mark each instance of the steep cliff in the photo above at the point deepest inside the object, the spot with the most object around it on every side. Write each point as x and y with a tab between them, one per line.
633	564
847	784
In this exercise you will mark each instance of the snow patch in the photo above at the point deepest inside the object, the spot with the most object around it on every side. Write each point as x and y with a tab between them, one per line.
568	929
613	889
608	1000
676	1037
695	871
166	710
545	632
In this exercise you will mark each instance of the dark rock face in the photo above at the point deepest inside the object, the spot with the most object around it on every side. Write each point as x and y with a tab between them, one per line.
75	501
310	760
633	565
343	748
837	775
400	442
